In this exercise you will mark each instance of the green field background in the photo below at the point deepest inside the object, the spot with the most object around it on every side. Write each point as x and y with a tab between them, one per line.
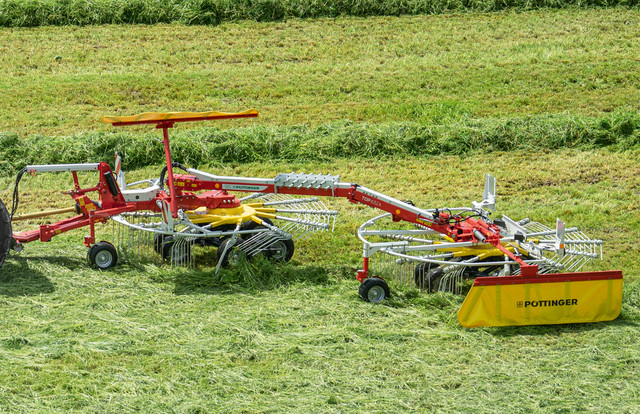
415	106
30	13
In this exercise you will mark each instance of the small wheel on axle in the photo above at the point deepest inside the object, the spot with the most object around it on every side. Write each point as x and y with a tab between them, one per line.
102	256
374	290
216	241
281	250
234	256
427	276
178	256
158	240
251	225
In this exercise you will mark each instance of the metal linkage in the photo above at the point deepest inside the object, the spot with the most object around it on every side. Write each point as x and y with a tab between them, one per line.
314	181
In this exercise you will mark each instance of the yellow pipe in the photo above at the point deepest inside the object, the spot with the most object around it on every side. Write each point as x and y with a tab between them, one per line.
41	214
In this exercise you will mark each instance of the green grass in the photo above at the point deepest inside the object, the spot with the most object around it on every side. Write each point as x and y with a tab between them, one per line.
297	338
426	69
416	107
14	13
213	146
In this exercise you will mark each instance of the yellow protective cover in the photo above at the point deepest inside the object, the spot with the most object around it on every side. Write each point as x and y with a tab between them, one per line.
168	116
542	303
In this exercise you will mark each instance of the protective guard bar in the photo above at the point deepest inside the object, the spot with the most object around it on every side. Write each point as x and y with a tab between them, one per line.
546	299
62	167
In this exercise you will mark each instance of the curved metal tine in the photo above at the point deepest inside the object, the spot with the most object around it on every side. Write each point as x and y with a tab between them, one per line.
228	247
259	242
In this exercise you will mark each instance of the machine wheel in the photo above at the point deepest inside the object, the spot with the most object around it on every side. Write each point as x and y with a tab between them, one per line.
216	241
5	232
234	256
250	225
158	240
102	255
281	251
427	276
422	275
374	290
176	257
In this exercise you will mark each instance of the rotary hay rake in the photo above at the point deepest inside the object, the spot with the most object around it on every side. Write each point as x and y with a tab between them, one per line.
512	266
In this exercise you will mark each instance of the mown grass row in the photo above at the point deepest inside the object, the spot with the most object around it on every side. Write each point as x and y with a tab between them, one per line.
335	140
29	13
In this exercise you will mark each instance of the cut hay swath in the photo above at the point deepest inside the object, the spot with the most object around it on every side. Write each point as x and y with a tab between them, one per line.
515	265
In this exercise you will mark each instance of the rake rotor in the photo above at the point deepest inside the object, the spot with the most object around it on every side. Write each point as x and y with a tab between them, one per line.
417	254
268	223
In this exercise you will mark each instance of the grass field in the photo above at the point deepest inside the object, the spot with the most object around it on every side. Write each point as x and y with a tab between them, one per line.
297	338
546	101
427	69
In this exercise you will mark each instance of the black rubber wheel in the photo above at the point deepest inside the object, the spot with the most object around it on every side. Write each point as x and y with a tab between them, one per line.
250	225
374	290
102	256
234	256
158	239
5	232
427	276
179	257
422	275
281	250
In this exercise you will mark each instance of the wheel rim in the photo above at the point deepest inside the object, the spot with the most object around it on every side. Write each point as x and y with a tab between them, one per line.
104	259
375	294
235	256
278	250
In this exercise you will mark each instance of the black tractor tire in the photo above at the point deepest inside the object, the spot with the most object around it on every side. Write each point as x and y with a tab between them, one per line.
234	256
374	290
102	256
177	258
5	232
